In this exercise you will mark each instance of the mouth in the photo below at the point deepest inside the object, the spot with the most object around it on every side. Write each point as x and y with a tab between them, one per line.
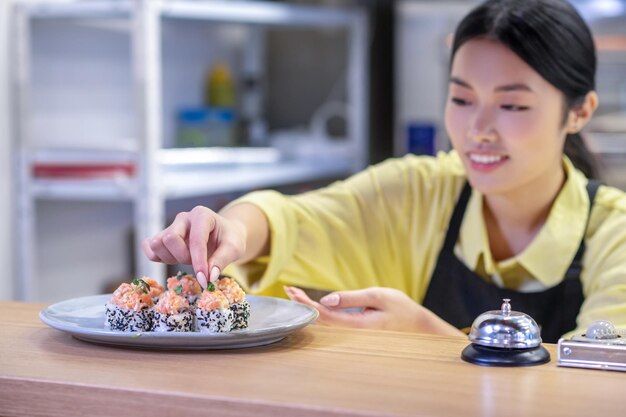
484	162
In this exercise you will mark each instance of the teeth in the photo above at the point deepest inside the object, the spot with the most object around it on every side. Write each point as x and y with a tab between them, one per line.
485	159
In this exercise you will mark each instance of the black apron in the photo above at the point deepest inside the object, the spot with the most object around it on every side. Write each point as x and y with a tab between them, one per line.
458	295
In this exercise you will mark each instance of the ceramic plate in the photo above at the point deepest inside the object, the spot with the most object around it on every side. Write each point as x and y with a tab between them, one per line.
271	319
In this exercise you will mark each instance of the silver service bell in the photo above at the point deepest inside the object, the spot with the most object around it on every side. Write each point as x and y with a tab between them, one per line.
505	338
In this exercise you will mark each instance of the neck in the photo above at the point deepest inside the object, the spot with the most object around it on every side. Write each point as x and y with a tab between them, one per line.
513	219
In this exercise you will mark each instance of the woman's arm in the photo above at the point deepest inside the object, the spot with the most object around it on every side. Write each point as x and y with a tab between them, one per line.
376	308
254	222
210	241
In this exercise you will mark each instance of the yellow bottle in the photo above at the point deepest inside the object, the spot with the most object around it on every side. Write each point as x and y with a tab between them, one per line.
221	89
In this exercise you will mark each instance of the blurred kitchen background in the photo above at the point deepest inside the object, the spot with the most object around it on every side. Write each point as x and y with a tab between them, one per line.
117	114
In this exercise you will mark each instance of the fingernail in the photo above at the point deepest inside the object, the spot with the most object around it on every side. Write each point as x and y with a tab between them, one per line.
215	273
330	300
201	279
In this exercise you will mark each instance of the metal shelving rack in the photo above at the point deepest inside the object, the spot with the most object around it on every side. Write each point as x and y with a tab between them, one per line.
153	184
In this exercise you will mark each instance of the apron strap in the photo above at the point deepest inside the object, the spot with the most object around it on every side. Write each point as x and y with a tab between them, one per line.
457	218
575	268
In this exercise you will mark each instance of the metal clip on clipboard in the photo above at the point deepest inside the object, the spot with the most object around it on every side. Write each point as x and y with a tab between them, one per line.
601	347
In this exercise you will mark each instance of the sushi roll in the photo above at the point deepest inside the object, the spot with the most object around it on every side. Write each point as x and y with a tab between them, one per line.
155	288
237	300
130	308
191	288
213	314
172	313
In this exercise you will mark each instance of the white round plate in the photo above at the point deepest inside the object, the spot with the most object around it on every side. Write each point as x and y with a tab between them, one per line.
271	319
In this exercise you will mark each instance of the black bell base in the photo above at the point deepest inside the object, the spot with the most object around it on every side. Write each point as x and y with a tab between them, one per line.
492	356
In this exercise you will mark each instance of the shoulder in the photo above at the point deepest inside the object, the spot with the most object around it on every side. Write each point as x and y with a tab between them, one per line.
410	189
443	173
609	206
609	209
611	199
606	233
445	165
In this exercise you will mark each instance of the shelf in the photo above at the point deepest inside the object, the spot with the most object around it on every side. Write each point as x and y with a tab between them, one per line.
248	12
122	189
136	39
256	13
166	156
185	182
76	8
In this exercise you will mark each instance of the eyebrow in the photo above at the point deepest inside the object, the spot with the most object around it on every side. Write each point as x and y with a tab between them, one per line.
501	88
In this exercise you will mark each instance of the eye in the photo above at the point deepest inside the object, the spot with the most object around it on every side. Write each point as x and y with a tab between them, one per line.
460	101
513	107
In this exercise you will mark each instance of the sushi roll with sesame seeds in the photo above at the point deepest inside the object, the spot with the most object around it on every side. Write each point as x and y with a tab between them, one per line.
155	288
213	314
237	300
130	308
172	313
191	288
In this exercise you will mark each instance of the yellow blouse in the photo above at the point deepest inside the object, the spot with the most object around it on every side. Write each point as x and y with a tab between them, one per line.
385	227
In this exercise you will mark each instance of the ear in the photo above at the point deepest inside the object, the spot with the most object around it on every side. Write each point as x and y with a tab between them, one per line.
580	115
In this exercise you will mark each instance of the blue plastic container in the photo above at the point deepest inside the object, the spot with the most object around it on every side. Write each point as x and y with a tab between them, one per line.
421	138
205	127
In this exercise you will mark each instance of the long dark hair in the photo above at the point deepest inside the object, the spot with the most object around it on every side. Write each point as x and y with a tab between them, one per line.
552	38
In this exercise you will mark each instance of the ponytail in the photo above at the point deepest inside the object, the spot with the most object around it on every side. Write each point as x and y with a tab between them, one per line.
580	155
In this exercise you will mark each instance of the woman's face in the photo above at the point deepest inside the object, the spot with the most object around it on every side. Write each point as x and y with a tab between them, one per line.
504	120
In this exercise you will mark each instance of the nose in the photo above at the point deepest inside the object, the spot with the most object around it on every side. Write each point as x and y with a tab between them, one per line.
482	130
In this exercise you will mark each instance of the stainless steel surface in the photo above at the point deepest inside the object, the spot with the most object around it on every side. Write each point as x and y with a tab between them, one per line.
601	347
593	354
601	329
506	329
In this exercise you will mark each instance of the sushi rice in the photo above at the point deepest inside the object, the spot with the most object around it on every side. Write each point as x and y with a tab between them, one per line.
237	300
130	308
213	314
172	313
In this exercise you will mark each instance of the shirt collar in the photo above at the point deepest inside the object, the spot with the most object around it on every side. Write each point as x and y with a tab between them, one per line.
550	253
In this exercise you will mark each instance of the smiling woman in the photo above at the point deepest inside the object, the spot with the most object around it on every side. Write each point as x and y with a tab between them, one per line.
507	124
509	213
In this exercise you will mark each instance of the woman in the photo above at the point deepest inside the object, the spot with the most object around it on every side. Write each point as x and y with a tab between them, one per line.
505	215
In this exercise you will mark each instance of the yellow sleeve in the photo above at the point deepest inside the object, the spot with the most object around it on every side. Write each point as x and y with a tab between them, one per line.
604	272
381	227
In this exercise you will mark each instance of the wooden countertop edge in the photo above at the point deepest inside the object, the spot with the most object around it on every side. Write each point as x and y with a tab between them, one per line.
31	397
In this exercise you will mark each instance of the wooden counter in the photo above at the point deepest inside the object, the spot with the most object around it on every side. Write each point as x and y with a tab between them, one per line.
318	371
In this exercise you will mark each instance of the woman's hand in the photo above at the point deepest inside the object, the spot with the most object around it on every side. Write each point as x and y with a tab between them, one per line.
202	238
378	308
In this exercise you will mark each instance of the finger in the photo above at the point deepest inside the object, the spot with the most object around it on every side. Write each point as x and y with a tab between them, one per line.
145	245
201	224
159	249
365	298
299	296
331	317
225	253
201	279
174	239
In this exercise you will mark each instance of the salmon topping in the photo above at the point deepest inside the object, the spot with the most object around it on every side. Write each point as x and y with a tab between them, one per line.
212	300
131	297
189	284
171	303
155	288
231	290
